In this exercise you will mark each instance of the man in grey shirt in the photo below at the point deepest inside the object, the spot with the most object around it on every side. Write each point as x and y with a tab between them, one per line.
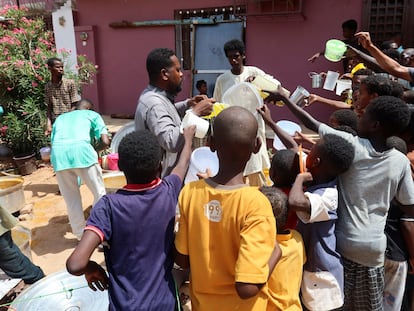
156	110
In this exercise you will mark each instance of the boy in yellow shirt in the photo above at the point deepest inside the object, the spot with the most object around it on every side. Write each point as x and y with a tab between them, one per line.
284	283
227	228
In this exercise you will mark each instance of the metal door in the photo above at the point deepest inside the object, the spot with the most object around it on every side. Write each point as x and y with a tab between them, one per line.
208	54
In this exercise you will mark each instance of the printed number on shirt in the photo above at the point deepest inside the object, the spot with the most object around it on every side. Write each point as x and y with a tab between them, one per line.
213	211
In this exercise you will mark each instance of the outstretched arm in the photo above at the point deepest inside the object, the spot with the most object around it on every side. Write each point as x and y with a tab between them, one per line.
364	56
78	263
309	121
298	202
331	102
315	56
182	165
385	62
301	138
103	143
284	137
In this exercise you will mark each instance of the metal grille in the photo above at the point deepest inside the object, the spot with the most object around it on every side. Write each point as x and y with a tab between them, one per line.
386	18
271	7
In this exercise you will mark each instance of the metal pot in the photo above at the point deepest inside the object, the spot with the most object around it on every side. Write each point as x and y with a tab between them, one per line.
316	79
61	291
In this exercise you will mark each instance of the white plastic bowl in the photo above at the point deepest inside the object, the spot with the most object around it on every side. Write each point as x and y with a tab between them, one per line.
289	127
201	159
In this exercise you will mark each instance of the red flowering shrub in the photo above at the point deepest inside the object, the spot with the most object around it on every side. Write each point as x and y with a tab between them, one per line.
26	45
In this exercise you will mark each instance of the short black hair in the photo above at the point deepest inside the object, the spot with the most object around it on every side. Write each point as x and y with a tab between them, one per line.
346	117
157	60
392	113
234	45
397	143
350	24
199	83
347	129
51	61
408	133
363	72
139	156
278	199
386	45
378	84
397	90
392	53
409	97
337	151
82	102
285	165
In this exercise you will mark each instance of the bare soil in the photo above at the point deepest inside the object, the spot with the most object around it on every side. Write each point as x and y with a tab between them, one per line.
51	238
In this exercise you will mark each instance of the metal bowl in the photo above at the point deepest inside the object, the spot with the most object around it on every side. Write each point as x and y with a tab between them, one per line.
116	139
61	291
113	181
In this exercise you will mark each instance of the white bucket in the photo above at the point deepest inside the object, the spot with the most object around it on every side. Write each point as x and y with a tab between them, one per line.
290	128
264	84
201	159
45	153
244	95
330	80
191	119
342	85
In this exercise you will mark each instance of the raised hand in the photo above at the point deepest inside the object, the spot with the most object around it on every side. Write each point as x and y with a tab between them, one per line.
364	39
314	57
265	113
189	132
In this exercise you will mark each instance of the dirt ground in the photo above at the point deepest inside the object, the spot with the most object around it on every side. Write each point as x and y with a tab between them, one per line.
51	239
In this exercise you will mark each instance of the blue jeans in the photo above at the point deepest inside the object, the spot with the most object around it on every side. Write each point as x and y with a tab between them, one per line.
15	264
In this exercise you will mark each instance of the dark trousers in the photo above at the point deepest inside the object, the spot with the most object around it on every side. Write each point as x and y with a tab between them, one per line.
15	264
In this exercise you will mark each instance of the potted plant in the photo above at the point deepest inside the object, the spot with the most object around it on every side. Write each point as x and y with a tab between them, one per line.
26	45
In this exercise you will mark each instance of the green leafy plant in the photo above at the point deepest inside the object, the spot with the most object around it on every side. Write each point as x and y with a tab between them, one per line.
26	45
25	127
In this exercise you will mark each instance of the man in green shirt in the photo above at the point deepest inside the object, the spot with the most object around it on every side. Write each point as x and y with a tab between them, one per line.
73	156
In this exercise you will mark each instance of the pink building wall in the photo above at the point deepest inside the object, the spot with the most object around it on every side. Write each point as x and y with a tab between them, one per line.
278	45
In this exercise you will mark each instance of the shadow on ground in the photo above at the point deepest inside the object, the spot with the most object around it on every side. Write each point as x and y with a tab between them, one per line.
55	236
50	238
41	190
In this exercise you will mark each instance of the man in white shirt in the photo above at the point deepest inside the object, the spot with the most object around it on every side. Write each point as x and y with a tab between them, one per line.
235	53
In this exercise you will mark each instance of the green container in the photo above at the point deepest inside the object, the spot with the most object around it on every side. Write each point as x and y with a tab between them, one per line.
334	50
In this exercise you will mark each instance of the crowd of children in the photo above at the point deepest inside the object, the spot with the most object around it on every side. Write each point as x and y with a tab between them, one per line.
313	241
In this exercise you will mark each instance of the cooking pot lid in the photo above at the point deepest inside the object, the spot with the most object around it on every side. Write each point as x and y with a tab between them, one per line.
61	291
